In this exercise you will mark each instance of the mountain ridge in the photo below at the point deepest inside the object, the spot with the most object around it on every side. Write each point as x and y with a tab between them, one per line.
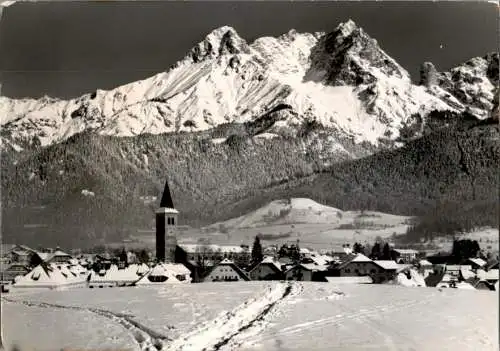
234	125
92	187
363	93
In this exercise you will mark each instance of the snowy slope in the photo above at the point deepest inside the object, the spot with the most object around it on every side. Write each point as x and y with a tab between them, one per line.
301	210
257	316
342	80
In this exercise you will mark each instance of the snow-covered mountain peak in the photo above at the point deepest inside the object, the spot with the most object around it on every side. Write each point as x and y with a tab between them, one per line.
342	80
221	41
347	28
349	56
473	84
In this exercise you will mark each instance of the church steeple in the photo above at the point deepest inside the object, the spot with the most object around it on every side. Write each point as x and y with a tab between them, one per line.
166	228
166	199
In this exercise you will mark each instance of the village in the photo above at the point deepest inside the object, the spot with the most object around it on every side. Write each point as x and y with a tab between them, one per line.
22	267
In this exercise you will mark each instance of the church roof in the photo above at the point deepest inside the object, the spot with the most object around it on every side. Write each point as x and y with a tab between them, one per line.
166	198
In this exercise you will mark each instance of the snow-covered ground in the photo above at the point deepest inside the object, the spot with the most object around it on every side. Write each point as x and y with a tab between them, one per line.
307	211
316	226
253	316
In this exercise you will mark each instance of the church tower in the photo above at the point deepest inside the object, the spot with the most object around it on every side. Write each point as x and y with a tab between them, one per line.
166	228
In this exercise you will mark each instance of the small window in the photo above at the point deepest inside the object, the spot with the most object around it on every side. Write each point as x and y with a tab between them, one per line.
157	278
173	221
180	277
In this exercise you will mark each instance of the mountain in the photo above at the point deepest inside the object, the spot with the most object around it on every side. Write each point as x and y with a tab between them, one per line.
92	189
342	80
329	117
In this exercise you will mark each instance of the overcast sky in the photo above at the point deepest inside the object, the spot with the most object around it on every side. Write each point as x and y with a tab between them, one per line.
67	49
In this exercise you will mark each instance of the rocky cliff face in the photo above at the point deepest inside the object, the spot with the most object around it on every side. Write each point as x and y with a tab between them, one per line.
341	80
473	84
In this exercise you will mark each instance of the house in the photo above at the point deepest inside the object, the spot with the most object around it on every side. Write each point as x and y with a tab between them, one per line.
477	263
23	255
389	270
268	269
166	273
307	272
226	270
404	255
114	276
49	276
211	254
58	256
11	272
454	270
358	265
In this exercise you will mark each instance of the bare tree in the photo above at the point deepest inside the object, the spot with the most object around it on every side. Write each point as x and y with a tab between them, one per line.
204	253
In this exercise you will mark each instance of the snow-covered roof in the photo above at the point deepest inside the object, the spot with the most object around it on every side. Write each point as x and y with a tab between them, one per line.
424	263
226	261
492	274
361	258
59	252
271	261
406	251
169	271
304	250
43	255
314	267
415	279
177	268
478	261
113	274
350	280
387	264
193	248
47	277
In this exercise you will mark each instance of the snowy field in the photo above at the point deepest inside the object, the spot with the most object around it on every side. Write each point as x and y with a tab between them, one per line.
253	316
315	225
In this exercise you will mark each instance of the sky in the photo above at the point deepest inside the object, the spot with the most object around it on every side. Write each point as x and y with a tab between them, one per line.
68	49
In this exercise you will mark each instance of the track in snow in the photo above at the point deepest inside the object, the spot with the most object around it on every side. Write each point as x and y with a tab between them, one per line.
146	338
220	332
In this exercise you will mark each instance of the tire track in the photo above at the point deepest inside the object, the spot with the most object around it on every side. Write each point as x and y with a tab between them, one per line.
146	338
